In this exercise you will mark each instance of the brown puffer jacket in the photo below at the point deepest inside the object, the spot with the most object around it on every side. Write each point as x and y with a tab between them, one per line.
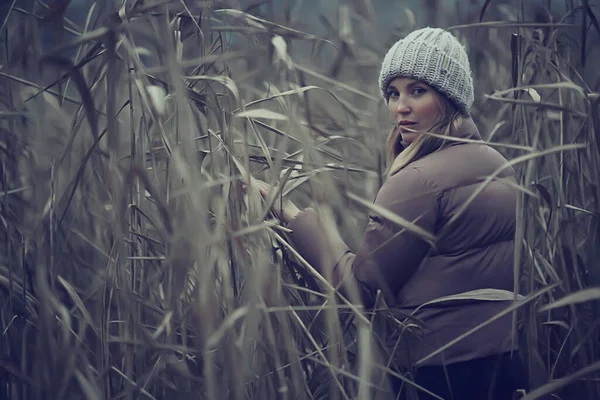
473	248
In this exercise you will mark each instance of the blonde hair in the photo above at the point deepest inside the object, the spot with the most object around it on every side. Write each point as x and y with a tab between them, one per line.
449	121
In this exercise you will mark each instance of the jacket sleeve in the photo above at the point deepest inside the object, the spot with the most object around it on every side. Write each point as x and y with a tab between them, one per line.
388	254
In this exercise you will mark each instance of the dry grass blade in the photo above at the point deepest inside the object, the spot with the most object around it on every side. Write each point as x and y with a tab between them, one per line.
131	382
78	303
223	80
590	13
31	302
90	390
204	61
317	348
582	210
394	218
411	383
262	113
282	94
511	24
488	143
263	23
478	295
581	296
7	16
557	85
552	387
14	191
513	162
320	277
84	91
67	198
277	131
508	310
483	9
84	38
334	82
40	88
538	104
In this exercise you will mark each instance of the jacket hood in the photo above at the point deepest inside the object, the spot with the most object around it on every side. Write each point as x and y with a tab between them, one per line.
466	130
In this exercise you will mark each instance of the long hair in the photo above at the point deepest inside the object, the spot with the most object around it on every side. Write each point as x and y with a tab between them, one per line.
424	144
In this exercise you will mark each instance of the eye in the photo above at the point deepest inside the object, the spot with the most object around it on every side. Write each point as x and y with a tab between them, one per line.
393	93
418	91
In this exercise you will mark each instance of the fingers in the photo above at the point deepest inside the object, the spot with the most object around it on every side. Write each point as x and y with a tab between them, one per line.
246	183
264	188
279	206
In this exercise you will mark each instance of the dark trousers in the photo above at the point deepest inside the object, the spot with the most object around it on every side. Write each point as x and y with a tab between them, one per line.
490	378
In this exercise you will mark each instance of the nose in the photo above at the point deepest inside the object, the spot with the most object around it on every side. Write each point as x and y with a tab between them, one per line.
402	107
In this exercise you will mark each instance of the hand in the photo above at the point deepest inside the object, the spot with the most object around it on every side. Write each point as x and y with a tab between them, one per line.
283	208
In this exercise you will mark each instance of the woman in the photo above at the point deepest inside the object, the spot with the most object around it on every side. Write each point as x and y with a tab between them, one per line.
426	82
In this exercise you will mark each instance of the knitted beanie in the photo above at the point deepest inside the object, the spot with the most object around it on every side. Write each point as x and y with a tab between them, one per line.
434	56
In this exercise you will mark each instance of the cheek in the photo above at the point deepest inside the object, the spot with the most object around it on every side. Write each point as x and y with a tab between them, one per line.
391	108
429	109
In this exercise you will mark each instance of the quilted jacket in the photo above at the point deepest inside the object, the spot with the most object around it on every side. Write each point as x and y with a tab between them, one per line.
469	247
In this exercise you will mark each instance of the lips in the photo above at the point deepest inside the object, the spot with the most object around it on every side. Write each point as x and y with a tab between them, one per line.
406	125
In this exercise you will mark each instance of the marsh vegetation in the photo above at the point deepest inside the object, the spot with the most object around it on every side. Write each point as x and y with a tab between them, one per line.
134	265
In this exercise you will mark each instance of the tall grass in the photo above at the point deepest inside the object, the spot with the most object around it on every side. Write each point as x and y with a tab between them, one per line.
133	263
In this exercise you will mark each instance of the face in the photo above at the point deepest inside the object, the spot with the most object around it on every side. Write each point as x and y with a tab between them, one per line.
414	106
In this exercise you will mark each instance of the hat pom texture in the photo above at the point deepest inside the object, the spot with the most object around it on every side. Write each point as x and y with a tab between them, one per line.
434	56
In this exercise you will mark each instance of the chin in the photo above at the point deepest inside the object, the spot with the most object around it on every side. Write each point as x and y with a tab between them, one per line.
408	137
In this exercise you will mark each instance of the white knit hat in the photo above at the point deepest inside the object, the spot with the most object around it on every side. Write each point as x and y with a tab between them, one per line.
434	56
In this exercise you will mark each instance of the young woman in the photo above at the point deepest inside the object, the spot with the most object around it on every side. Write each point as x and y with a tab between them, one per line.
437	165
